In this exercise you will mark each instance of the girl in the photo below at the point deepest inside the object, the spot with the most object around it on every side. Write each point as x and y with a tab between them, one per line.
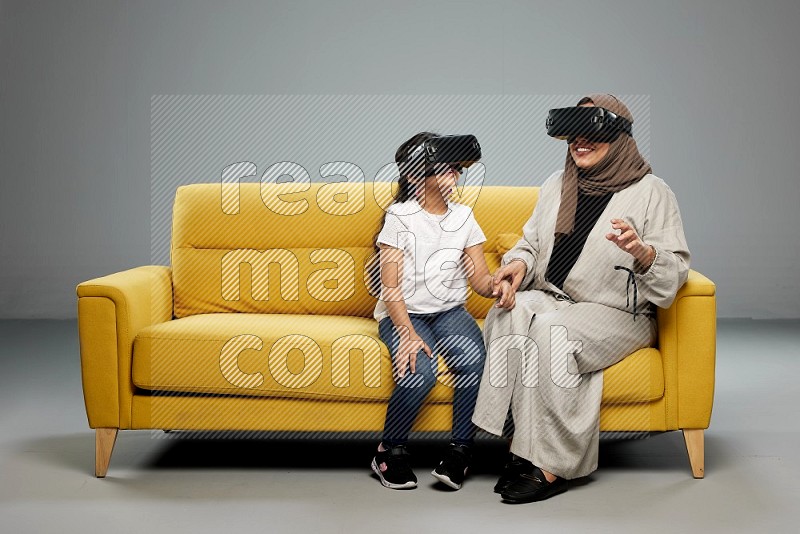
421	310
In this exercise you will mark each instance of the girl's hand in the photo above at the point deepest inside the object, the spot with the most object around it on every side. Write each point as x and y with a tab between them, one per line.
507	298
410	345
514	272
629	241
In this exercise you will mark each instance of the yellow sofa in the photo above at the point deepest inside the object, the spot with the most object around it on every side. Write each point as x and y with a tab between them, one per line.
263	323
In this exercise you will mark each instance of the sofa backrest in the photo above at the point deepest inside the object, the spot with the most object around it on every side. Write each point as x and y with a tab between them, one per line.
301	248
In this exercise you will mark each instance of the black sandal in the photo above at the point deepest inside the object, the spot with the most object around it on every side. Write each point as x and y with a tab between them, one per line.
513	468
532	487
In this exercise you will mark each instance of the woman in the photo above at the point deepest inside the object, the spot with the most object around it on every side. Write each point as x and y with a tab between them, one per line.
604	245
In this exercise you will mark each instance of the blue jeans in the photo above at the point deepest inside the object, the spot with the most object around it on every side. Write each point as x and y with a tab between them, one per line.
454	335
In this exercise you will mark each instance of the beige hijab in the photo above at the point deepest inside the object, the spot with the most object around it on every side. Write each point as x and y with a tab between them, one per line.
622	167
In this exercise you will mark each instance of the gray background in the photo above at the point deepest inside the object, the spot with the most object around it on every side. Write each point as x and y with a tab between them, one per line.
77	79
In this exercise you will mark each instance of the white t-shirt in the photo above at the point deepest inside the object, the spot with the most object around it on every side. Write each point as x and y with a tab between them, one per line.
434	262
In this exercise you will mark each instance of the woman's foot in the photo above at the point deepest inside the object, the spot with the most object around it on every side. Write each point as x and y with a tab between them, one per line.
533	486
513	468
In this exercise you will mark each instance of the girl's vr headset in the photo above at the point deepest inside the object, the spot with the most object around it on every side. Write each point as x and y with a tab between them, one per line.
435	154
594	123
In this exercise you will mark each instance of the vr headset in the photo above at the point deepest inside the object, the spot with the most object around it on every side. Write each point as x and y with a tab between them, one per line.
594	123
436	154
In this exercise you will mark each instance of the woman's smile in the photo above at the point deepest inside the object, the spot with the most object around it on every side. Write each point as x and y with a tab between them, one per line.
586	154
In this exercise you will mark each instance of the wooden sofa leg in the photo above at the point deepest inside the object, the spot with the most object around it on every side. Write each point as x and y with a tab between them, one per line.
695	448
103	447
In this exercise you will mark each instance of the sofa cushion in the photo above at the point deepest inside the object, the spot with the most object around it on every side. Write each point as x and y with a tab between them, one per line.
279	355
637	378
300	248
312	356
506	242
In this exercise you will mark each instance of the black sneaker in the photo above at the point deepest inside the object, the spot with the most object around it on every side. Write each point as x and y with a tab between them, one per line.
515	466
453	467
392	468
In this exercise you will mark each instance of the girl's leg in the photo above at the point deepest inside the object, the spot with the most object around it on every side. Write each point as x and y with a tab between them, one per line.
411	390
461	344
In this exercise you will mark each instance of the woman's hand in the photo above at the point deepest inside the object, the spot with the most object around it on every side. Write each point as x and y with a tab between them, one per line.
507	295
410	345
629	241
514	272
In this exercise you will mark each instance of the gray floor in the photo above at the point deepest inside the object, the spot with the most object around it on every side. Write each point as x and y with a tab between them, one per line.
216	485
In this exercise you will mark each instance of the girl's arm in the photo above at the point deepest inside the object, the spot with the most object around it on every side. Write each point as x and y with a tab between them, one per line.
392	294
482	282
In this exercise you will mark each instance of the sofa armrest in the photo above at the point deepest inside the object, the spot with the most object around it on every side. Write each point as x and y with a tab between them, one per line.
687	335
111	311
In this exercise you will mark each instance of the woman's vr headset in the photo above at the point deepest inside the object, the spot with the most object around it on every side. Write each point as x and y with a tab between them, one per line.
594	123
435	154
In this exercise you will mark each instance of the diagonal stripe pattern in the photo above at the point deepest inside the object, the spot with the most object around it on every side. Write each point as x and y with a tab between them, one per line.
233	139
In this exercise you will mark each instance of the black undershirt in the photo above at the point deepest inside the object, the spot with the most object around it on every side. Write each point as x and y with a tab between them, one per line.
566	251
